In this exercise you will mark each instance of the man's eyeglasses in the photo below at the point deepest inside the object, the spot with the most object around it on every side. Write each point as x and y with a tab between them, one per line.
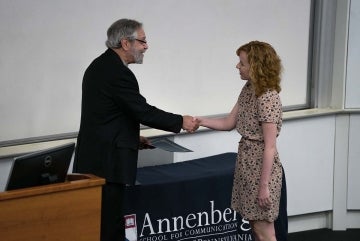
141	41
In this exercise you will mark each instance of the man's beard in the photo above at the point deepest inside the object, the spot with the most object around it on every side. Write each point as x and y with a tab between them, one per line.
138	56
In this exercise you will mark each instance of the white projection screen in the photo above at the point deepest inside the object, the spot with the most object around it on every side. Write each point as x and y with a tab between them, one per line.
189	67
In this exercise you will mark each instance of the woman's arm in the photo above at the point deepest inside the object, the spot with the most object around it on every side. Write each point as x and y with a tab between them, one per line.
269	132
222	124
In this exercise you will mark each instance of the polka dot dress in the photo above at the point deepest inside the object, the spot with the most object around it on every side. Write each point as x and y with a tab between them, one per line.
253	111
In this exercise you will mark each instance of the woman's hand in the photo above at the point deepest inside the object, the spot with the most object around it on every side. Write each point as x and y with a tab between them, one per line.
264	197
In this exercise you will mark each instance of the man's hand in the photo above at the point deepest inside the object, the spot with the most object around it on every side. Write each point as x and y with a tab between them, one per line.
190	124
145	143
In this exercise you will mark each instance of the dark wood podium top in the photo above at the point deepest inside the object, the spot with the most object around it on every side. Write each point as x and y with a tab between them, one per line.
74	181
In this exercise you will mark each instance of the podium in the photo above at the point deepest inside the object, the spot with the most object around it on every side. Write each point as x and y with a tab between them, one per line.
62	211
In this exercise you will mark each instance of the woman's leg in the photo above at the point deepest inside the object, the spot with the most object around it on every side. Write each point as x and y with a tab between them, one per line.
263	230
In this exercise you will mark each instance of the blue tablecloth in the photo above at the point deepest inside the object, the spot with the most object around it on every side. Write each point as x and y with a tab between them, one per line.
190	201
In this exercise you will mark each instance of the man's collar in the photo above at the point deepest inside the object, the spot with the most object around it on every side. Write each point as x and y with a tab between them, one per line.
117	52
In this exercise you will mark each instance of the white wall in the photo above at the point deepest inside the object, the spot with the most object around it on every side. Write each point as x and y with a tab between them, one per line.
353	190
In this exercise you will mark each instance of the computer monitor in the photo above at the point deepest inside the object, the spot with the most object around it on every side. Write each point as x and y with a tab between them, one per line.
41	167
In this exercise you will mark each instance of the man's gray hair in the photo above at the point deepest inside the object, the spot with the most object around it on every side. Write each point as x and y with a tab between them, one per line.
122	28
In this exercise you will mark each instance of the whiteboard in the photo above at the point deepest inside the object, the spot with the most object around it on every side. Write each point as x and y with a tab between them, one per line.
352	98
189	67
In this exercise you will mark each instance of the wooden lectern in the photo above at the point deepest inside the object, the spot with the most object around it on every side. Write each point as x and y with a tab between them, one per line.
68	211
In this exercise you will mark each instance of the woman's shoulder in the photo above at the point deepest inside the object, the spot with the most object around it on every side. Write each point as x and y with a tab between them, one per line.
269	93
270	97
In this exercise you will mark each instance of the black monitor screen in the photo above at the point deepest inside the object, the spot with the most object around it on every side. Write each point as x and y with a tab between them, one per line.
40	167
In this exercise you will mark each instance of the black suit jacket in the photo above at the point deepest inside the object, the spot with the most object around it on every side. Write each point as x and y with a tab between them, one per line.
111	112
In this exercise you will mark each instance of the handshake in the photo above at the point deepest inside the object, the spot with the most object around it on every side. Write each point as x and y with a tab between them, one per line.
190	123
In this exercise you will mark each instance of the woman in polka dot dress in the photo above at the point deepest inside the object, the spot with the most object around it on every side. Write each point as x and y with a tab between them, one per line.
257	116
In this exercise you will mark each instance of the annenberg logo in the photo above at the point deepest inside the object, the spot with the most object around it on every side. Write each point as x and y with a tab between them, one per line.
198	226
130	227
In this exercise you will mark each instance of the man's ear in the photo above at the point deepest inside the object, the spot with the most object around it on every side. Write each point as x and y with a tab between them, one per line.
125	44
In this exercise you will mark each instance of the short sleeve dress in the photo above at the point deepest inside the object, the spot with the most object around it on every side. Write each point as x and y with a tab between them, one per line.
252	112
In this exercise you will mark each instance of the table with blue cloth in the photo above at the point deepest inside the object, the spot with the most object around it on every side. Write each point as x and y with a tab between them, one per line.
190	201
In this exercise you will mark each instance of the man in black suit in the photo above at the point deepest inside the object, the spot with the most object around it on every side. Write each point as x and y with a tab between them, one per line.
111	113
